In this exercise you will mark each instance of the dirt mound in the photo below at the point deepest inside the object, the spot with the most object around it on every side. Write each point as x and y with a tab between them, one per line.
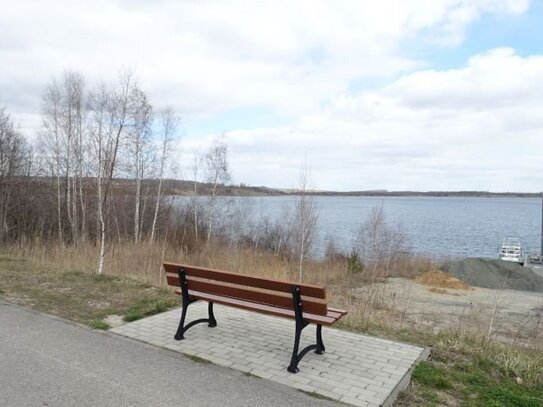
494	274
442	280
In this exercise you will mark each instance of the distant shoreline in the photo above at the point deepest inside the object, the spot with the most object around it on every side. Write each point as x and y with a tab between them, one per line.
187	188
444	194
183	187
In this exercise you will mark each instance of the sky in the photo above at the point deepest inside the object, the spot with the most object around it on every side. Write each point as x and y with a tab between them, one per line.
396	94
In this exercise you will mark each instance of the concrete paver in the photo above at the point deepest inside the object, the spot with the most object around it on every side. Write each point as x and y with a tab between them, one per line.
356	369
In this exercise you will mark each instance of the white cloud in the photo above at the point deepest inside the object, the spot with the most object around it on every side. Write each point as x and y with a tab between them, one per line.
209	56
429	130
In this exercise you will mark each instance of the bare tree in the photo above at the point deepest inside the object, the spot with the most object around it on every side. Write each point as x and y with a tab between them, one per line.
217	173
50	139
14	153
194	201
169	122
379	244
72	118
305	219
138	141
63	139
110	114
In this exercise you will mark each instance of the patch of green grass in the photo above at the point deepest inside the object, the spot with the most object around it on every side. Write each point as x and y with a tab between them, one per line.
431	376
104	278
99	324
476	381
151	304
197	359
510	395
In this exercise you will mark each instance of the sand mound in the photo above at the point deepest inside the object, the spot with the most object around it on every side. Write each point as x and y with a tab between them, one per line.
442	280
494	274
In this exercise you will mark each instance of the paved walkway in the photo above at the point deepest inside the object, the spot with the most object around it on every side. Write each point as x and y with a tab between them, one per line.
356	369
47	361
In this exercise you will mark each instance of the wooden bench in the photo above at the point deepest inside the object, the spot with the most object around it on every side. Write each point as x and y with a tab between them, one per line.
305	303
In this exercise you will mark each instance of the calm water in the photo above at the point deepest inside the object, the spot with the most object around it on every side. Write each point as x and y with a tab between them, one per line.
434	226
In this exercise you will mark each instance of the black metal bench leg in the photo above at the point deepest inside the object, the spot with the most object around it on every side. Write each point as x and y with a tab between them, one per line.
293	367
186	302
300	325
181	328
320	345
212	320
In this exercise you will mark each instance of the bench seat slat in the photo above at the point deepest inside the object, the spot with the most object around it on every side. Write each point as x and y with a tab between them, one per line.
328	319
308	290
340	311
334	314
278	299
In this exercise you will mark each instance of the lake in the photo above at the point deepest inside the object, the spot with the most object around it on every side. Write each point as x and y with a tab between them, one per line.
437	227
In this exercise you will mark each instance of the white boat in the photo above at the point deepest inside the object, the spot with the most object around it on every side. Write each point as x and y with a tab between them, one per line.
511	250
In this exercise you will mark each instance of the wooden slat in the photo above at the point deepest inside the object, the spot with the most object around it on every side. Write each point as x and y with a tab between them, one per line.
259	296
333	314
250	294
264	309
340	311
308	290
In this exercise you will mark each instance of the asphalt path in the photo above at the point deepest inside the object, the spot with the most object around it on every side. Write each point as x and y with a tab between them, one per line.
48	361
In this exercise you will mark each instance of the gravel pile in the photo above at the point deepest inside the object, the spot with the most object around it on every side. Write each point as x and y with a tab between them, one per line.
495	274
441	279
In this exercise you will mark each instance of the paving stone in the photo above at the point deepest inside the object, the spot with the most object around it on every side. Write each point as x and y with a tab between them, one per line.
354	401
356	369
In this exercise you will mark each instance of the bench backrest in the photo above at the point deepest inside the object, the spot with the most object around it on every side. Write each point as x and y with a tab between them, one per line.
247	288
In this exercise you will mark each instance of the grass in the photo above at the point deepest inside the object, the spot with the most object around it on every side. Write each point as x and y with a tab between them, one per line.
150	304
431	376
78	295
473	383
99	324
197	359
470	373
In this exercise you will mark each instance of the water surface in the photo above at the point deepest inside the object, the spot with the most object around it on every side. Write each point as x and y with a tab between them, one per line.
435	226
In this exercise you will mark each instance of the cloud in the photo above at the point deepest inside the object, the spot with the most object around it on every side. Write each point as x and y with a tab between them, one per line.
429	130
496	79
206	56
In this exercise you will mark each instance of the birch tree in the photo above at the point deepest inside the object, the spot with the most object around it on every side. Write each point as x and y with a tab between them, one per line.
50	140
110	113
217	173
64	140
139	131
72	117
13	153
305	220
195	205
169	122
